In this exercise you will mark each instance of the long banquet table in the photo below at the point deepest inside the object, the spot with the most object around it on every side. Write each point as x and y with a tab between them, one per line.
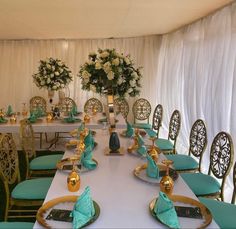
123	198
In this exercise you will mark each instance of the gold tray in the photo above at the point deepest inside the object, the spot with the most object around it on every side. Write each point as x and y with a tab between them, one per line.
140	172
183	200
52	203
141	132
61	165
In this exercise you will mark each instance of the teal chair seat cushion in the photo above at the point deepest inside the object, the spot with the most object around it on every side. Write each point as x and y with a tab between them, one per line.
34	189
142	126
45	162
16	225
201	184
151	133
223	213
164	144
182	162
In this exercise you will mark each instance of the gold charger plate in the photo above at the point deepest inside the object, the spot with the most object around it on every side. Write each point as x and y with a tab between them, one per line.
183	201
52	203
66	165
140	172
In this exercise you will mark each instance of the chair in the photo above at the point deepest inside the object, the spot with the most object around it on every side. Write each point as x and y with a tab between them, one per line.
35	103
91	104
21	199
38	165
169	145
121	106
156	121
141	110
66	105
221	158
197	146
223	213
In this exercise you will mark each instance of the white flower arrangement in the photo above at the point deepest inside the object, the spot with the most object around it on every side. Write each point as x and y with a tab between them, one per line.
108	69
52	74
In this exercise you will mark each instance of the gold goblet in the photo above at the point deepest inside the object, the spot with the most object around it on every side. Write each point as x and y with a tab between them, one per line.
13	119
154	151
73	180
135	144
167	183
86	118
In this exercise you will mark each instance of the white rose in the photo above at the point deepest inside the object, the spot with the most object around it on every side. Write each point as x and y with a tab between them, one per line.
57	73
110	75
98	65
132	83
127	61
59	63
48	80
61	70
42	83
53	68
135	75
119	70
130	90
107	67
120	81
104	54
90	62
85	80
92	54
116	62
62	85
92	88
86	74
54	87
51	75
48	66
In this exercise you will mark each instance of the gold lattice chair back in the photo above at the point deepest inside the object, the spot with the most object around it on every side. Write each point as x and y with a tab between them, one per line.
27	138
221	158
141	110
157	118
66	105
38	102
174	126
121	106
91	104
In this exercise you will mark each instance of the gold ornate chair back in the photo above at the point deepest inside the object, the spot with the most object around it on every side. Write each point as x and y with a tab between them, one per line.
198	140
66	105
174	126
157	118
221	158
93	103
234	183
38	102
121	106
27	138
141	110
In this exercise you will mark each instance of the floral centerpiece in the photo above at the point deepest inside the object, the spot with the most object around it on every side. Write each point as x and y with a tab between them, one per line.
52	74
108	69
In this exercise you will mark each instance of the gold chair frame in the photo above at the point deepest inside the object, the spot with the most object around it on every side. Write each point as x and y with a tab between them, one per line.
157	118
121	106
93	103
66	105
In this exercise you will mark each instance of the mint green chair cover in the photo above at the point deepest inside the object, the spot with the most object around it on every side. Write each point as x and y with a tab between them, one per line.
34	189
142	126
89	140
223	213
9	111
86	159
182	162
165	211
83	209
16	225
164	144
32	118
3	120
201	184
129	130
151	133
45	162
152	168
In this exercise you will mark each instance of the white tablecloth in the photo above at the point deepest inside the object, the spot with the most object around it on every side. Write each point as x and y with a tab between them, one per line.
122	197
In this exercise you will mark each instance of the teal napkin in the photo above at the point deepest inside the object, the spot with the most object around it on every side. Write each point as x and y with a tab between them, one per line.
165	211
130	130
32	118
39	112
74	110
83	209
71	118
152	168
89	140
142	150
9	111
140	140
3	120
151	133
86	159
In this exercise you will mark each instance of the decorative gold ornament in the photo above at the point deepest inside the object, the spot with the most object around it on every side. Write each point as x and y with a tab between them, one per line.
13	119
167	183
135	144
49	117
86	118
73	180
2	114
24	110
154	151
94	110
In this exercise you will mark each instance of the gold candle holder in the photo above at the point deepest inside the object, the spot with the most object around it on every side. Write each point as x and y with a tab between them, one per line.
24	110
49	117
135	144
13	119
73	180
94	110
2	114
167	183
86	118
154	151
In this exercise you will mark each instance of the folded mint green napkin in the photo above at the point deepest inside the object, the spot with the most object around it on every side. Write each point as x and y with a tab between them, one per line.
129	130
3	120
89	140
142	150
86	159
83	210
140	140
32	118
74	110
151	133
81	127
39	112
9	111
165	211
152	168
71	118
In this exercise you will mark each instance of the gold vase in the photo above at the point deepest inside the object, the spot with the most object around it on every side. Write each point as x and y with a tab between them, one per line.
167	183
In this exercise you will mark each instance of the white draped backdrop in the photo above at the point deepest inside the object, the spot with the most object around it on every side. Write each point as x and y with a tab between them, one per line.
192	69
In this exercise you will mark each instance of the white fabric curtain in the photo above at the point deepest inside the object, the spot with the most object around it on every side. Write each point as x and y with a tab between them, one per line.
193	70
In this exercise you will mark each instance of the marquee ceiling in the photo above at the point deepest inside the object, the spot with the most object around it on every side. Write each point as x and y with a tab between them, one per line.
76	19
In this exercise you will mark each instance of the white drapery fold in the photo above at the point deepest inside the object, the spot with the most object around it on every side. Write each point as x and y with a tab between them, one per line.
192	69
